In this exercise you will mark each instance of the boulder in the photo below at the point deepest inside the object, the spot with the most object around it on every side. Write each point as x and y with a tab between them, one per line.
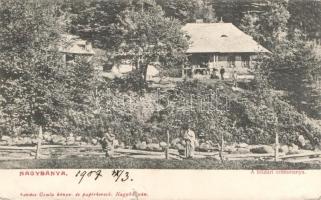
149	141
175	141
5	138
155	140
230	149
70	140
284	149
179	146
205	147
27	141
242	151
59	140
78	138
262	149
242	145
94	141
47	136
154	147
163	145
121	145
293	149
34	141
141	145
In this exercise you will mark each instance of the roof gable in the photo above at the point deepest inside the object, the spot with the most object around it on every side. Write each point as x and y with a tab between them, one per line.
220	38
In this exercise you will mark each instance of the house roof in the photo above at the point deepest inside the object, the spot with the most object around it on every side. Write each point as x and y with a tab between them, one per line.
220	38
74	45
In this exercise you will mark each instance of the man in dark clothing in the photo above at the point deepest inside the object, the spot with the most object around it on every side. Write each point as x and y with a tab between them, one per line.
222	71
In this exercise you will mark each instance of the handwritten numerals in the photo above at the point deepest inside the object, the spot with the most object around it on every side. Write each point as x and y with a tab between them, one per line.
121	175
96	174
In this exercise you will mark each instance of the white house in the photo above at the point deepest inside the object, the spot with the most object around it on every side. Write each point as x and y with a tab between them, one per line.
217	45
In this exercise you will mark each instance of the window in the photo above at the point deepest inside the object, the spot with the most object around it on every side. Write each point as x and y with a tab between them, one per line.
245	61
70	57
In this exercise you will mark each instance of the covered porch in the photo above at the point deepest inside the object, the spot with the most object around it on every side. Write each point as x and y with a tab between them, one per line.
208	65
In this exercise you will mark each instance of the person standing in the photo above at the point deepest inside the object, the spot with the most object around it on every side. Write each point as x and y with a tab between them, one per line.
222	71
190	139
234	76
107	142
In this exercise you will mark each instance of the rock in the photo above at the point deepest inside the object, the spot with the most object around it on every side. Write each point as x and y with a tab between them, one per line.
83	143
78	138
230	149
163	145
71	139
3	143
5	138
154	147
141	146
57	139
27	140
242	151
122	145
308	146
284	149
179	146
94	141
205	147
149	141
293	149
242	145
47	136
262	149
175	141
155	140
34	141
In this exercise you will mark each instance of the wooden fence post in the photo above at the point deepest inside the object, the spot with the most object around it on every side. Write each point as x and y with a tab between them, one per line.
276	150
39	142
167	146
222	147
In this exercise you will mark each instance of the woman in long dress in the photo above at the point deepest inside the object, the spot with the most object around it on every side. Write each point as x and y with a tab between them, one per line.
190	140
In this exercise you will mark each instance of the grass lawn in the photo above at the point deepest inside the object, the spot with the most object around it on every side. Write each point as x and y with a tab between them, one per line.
136	163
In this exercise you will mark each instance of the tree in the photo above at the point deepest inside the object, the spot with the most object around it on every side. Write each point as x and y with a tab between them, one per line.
270	26
28	63
151	38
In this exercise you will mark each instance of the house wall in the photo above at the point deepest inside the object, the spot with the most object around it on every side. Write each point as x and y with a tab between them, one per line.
240	62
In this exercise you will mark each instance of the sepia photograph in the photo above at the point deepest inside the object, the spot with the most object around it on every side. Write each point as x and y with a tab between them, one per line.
160	84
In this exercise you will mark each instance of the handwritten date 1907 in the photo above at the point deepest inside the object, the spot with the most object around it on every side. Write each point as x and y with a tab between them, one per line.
96	174
117	174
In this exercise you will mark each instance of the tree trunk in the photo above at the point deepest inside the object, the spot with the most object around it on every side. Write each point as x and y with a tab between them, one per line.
145	72
39	142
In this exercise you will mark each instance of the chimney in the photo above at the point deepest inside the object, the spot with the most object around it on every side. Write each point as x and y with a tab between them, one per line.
199	21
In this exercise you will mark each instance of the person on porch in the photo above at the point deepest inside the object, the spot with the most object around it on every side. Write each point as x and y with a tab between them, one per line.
222	71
